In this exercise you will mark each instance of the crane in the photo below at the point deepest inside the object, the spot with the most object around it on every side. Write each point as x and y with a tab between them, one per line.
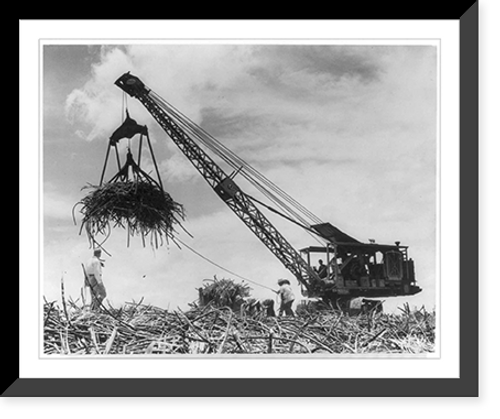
352	268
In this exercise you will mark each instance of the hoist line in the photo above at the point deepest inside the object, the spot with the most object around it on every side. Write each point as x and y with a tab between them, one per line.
295	217
238	165
301	221
305	227
219	266
236	162
194	130
124	105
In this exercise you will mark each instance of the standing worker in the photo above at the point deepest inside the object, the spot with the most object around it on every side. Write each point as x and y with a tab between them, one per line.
287	297
93	280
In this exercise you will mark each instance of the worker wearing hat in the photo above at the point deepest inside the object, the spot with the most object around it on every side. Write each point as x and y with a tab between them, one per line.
286	296
93	280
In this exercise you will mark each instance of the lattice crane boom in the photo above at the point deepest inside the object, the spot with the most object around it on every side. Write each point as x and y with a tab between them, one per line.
225	187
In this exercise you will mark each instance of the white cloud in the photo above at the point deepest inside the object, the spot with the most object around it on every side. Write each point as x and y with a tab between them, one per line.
95	105
176	168
57	206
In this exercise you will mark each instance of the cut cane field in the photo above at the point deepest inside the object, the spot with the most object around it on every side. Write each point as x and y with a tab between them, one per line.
218	326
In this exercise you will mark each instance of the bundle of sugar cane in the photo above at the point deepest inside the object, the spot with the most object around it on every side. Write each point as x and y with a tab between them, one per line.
140	207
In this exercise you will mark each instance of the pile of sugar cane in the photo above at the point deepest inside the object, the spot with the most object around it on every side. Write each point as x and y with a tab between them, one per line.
140	207
139	329
222	292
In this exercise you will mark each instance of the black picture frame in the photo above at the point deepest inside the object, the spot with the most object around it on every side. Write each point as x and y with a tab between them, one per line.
464	386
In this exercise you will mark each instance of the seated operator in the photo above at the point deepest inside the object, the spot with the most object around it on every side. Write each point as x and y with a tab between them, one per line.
321	269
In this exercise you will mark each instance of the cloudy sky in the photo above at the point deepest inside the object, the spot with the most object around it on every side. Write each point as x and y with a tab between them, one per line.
349	131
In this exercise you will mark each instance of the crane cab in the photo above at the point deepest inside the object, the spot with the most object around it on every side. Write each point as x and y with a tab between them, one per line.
357	269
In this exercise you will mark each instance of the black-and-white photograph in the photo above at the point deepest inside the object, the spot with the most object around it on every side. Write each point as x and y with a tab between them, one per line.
239	199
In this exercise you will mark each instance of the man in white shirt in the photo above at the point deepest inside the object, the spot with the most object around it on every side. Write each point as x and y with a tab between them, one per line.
93	280
287	298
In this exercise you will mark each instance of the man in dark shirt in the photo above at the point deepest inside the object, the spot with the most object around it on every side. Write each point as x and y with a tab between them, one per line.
321	270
